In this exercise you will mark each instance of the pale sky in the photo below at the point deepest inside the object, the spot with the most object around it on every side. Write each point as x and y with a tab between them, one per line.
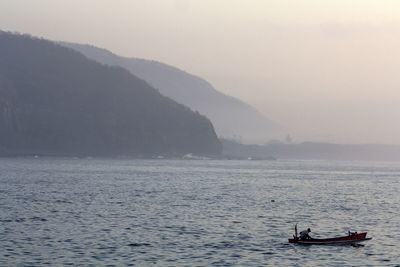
328	70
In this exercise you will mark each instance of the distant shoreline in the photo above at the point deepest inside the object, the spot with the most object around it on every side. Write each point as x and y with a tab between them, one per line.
313	151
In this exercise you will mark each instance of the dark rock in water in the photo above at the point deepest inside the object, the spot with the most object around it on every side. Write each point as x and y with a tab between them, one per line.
55	101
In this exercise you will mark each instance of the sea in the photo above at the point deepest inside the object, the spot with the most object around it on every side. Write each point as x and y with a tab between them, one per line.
129	212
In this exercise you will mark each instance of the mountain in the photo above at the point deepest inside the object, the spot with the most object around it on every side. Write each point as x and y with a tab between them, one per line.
230	116
55	101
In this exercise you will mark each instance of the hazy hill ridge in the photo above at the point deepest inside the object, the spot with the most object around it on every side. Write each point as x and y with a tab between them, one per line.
53	100
230	116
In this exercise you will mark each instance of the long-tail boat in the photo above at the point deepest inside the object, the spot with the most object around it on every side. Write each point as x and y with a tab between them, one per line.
351	238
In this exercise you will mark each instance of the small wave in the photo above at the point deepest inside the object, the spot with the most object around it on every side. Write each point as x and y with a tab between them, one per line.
139	245
221	245
38	219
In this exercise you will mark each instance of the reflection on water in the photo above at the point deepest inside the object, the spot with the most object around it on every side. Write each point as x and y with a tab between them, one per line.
195	213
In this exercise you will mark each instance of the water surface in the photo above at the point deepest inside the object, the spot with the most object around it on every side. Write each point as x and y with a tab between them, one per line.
195	213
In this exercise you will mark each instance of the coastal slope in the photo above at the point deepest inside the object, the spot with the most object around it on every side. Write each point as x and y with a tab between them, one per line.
231	117
55	101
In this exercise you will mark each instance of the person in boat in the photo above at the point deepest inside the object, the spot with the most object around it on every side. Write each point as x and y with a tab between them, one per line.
304	235
352	233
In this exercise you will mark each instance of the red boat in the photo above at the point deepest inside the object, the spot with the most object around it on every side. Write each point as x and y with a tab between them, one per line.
352	238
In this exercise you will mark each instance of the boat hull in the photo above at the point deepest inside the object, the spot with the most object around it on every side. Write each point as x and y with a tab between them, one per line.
351	239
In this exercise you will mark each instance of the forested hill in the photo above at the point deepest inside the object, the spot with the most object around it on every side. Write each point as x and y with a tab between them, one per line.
55	101
230	116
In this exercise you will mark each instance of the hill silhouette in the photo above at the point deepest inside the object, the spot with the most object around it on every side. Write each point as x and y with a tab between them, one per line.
230	116
54	100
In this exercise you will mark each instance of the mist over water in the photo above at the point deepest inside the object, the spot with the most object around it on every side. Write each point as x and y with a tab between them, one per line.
197	213
305	79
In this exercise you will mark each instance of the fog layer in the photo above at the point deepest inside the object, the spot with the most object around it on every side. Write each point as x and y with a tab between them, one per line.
327	70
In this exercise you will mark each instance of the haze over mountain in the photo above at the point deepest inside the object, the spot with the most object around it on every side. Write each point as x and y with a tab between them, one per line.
55	101
230	116
326	70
